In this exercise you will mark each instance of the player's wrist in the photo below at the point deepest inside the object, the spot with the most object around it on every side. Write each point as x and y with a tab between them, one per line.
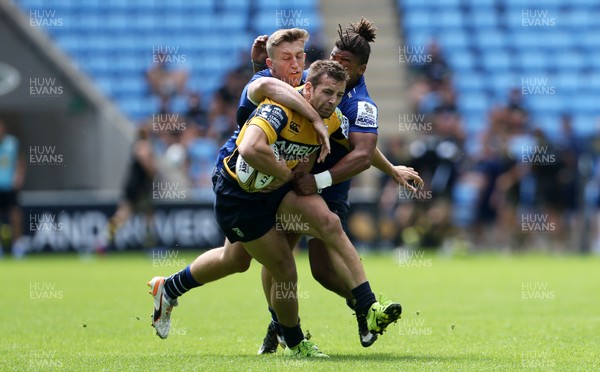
323	180
258	64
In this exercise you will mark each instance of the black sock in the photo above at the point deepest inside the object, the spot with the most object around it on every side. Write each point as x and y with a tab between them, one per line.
273	315
179	283
292	336
351	303
275	321
364	298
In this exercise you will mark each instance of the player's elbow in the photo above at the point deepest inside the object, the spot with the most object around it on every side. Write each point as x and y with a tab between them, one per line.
247	151
365	160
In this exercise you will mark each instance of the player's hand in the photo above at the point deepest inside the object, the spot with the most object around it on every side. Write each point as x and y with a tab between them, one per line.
258	54
304	184
323	139
404	175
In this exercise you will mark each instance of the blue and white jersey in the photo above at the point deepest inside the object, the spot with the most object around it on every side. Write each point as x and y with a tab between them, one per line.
9	152
361	112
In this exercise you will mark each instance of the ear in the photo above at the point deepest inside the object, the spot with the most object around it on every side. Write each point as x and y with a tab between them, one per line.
362	69
308	90
269	62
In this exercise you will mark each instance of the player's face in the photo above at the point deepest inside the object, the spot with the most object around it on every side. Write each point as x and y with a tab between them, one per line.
349	61
287	63
325	96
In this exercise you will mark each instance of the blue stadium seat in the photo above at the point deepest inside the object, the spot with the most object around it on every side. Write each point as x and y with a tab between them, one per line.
461	60
470	81
449	19
483	18
473	101
568	60
420	20
497	61
454	39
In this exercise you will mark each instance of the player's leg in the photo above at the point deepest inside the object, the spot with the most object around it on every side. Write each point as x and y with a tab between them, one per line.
273	252
274	336
321	264
208	267
19	247
324	224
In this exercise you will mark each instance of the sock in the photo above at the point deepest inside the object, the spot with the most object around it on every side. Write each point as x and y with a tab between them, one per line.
292	336
179	283
351	303
275	321
273	315
364	298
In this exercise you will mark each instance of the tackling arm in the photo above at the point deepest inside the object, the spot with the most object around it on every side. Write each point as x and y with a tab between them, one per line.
255	149
399	173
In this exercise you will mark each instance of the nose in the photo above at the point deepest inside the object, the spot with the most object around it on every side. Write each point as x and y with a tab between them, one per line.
295	62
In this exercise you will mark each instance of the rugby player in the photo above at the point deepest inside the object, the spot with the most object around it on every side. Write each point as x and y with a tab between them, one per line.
250	217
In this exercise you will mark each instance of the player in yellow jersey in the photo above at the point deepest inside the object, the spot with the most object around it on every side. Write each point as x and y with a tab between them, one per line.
250	217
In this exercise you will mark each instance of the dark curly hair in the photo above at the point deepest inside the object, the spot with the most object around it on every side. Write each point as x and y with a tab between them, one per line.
356	38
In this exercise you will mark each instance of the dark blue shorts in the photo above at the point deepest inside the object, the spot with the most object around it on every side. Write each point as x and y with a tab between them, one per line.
336	198
342	209
241	215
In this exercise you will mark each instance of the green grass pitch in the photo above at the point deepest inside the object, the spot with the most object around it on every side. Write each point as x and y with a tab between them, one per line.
471	313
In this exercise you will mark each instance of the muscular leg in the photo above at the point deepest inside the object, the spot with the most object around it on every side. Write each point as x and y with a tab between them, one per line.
220	262
322	269
267	279
271	250
324	224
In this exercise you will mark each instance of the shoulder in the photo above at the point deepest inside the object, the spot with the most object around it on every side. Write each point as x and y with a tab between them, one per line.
274	113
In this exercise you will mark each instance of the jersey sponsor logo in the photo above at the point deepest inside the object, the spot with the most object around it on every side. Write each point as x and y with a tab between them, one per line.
274	115
294	127
294	151
366	116
345	126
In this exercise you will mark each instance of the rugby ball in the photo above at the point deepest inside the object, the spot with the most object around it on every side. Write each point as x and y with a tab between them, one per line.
250	179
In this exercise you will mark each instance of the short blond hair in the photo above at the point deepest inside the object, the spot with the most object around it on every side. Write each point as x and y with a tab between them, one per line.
285	35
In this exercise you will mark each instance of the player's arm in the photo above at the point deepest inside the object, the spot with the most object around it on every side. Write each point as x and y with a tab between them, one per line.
258	54
255	149
399	173
357	160
19	177
285	94
362	146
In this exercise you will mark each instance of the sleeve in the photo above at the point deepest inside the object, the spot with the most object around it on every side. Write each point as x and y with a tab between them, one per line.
340	134
245	106
365	117
271	118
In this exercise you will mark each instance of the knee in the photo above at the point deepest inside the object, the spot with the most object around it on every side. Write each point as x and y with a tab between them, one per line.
284	271
239	260
330	225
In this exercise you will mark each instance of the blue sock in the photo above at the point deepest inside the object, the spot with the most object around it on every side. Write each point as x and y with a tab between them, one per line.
293	335
364	297
179	283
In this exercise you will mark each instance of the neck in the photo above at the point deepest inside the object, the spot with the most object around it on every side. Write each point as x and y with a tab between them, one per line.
352	83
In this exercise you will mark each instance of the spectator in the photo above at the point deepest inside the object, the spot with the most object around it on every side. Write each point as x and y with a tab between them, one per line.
165	81
12	176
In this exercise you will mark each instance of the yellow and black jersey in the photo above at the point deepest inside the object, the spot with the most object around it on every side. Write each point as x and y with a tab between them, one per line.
291	132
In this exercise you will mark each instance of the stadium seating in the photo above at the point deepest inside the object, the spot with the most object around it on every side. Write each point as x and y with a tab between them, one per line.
490	47
112	40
